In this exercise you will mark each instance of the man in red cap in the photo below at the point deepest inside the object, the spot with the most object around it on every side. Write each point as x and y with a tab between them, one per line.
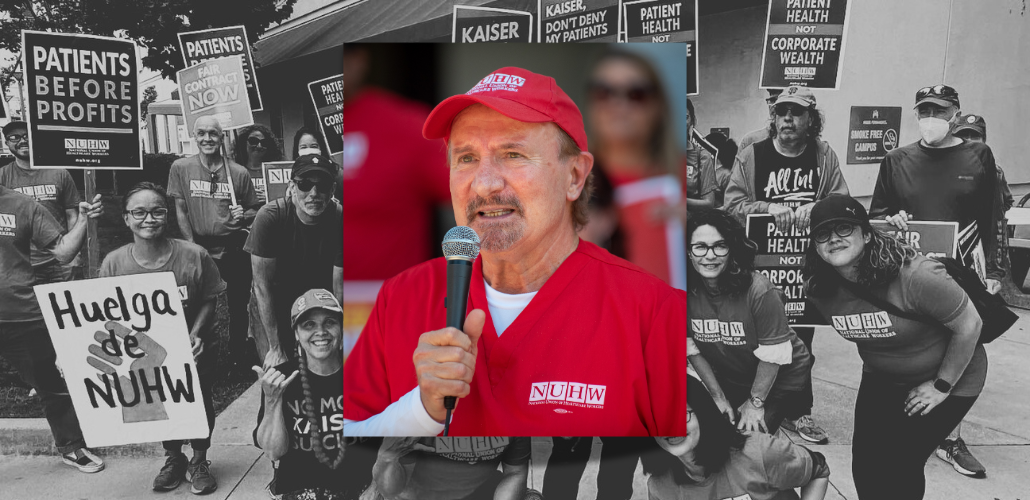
562	338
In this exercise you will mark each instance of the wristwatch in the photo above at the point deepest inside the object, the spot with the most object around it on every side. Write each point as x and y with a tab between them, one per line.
942	385
757	402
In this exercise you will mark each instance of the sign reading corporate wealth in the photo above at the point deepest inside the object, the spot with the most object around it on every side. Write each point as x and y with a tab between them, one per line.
216	87
804	43
83	101
781	258
327	96
124	347
200	46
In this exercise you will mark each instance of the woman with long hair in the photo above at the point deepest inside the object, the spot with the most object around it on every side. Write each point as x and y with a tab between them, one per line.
255	145
145	212
919	378
715	461
739	341
308	141
309	454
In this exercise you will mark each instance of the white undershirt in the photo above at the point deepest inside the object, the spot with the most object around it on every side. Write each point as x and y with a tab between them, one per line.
407	416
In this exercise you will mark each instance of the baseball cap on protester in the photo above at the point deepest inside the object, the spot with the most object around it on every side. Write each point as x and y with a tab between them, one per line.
941	95
971	122
15	125
518	94
837	208
314	164
797	95
317	298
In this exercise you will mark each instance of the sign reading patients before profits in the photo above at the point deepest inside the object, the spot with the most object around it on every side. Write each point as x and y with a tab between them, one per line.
804	43
486	24
200	46
873	133
277	176
216	87
83	101
125	350
563	21
781	257
327	96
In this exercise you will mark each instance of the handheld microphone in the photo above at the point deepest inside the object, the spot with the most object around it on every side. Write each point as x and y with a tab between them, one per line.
460	248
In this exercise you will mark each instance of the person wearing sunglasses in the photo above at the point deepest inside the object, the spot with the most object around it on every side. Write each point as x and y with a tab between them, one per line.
52	188
784	175
941	177
256	144
145	212
919	379
739	341
295	245
716	461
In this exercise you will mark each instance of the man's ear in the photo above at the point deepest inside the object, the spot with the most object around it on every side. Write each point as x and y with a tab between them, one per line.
581	166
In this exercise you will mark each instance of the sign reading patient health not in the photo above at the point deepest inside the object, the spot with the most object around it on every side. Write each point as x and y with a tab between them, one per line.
83	101
327	96
781	258
216	87
125	350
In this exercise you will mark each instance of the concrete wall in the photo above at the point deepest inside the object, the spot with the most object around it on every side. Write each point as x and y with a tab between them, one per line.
893	49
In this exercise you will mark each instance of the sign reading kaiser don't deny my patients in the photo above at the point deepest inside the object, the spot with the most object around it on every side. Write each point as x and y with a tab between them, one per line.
83	101
124	347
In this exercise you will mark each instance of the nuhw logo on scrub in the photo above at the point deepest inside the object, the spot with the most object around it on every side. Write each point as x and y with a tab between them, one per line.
8	224
567	393
713	330
87	144
498	81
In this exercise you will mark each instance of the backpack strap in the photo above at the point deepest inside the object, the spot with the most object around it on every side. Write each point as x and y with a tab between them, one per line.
868	296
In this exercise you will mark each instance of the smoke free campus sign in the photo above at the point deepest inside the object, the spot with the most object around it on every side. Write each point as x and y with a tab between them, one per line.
83	101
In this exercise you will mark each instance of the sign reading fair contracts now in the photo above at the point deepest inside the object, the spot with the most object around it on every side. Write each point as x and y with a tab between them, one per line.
932	239
804	43
486	24
277	175
873	132
561	21
83	101
216	87
200	46
781	257
327	96
657	21
125	350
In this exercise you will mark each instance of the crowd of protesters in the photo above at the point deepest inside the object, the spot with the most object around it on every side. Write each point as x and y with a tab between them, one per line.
919	378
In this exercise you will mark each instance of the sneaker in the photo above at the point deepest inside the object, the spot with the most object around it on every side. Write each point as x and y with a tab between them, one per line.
172	474
84	460
956	454
806	428
201	477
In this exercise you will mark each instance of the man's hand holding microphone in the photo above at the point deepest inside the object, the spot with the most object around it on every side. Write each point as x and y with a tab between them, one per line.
445	361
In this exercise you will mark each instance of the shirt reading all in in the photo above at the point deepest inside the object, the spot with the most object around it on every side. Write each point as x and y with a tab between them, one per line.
300	468
196	274
53	188
785	180
505	307
459	465
767	468
23	222
909	352
207	204
599	351
727	328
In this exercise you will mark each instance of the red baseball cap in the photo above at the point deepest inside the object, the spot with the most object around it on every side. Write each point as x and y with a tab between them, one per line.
518	94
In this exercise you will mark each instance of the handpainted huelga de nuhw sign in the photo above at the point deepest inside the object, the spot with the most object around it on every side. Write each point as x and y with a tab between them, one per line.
124	347
216	87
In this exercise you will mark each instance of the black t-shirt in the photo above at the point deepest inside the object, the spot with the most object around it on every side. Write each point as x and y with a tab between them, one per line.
785	180
304	254
299	468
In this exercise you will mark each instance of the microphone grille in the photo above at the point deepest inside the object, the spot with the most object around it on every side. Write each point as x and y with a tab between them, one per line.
461	242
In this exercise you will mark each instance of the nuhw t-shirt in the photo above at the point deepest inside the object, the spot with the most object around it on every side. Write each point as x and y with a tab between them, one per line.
769	467
300	468
727	328
207	194
459	465
23	221
909	352
196	274
52	188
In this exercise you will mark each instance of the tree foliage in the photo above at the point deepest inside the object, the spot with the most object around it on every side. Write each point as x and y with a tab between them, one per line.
154	24
149	96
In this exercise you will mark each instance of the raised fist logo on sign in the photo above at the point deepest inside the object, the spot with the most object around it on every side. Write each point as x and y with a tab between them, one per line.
142	394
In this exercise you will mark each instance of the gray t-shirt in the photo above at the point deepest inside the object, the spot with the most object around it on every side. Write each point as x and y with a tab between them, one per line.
22	221
53	188
209	205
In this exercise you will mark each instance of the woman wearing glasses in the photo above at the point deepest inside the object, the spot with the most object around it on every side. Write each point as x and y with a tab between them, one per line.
919	379
255	145
716	461
145	211
739	342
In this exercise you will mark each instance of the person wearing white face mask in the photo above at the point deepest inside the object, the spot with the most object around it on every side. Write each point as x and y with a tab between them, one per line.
943	178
